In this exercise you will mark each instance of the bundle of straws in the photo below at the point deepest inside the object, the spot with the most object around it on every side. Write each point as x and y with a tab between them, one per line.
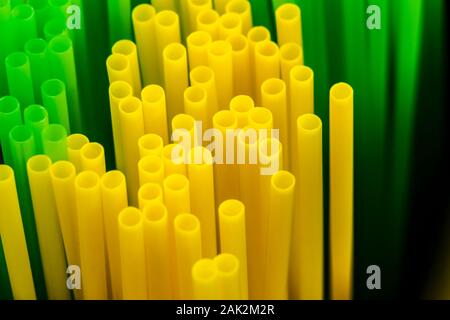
217	192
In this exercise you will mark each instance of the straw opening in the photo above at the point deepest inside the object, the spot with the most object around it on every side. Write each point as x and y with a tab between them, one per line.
176	182
6	172
301	73
36	46
112	179
130	217
35	113
199	38
39	163
60	44
63	170
166	18
54	133
9	104
76	141
151	141
220	48
175	51
151	163
53	87
187	222
152	93
258	34
238	42
204	270
17	59
195	94
283	180
144	13
227	263
92	151
202	74
309	122
231	208
208	17
87	180
290	51
23	12
21	134
155	212
341	91
225	119
130	105
273	86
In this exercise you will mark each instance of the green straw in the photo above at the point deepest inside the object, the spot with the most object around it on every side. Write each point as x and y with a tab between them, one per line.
407	41
55	27
42	11
10	116
119	20
63	68
23	147
36	49
5	285
5	44
24	24
55	101
20	83
36	117
262	13
54	138
58	8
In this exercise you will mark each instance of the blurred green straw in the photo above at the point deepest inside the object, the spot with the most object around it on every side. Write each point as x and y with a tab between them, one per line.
407	44
23	24
262	13
54	138
55	101
36	50
23	147
63	68
119	18
55	27
36	117
5	44
42	12
10	116
20	83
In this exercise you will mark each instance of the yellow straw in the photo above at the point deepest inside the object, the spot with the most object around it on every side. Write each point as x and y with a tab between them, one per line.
150	193
197	45
155	111
74	144
243	8
47	223
150	144
229	276
129	50
220	60
205	78
289	24
205	280
132	254
241	65
341	190
93	158
266	64
13	238
229	24
151	170
208	21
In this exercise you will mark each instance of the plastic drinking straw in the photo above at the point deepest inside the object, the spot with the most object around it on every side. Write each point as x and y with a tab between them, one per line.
408	40
175	77
307	262
156	232
144	31
261	119
24	24
20	82
204	77
55	27
208	21
119	69
150	193
262	13
132	254
167	30
131	129
118	91
194	8
196	105
241	7
274	98
291	55
241	106
289	24
119	22
201	175
129	50
233	237
176	195
93	158
226	171
197	44
91	235
63	68
229	24
228	268
151	170
36	49
6	46
341	190
173	159
241	65
54	99
42	12
114	200
301	102
205	280
188	249
281	203
220	60
150	144
36	117
255	35
63	175
10	116
155	112
220	5
184	131
23	147
161	5
47	225
267	65
182	12
13	238
75	142
5	285
54	140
